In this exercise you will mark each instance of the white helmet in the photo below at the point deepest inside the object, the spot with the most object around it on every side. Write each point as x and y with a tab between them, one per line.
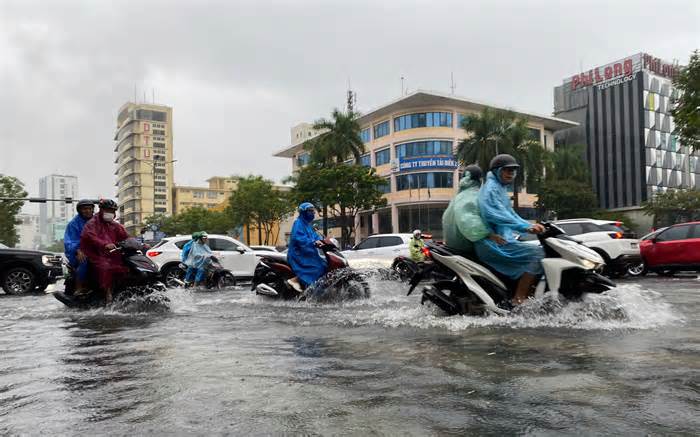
417	233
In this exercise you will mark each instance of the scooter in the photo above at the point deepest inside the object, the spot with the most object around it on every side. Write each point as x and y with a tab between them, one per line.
339	283
406	268
142	279
570	270
216	277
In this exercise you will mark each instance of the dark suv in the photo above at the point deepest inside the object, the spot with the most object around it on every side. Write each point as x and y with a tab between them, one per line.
26	271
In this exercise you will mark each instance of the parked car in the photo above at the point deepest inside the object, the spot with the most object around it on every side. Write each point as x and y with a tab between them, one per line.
233	255
26	271
616	243
672	249
264	250
380	246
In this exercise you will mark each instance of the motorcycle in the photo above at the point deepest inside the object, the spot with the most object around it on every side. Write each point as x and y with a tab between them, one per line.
406	268
339	283
142	280
570	269
216	277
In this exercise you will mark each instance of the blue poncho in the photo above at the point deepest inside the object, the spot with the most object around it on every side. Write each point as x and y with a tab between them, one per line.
199	256
71	238
302	255
514	258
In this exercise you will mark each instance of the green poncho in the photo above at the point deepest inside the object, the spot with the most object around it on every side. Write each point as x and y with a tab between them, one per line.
461	221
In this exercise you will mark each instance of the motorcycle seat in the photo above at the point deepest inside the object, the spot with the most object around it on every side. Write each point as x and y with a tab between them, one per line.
276	257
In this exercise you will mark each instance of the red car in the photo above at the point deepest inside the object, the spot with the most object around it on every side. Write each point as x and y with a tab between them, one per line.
672	249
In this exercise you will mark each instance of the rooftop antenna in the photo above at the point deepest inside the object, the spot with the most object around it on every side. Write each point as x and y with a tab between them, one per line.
153	91
135	98
452	83
403	80
350	98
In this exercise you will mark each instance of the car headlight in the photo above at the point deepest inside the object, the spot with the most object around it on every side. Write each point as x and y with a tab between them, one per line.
46	260
589	264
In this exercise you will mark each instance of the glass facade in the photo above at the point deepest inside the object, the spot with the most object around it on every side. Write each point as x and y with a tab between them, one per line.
460	119
424	180
364	135
303	159
381	130
366	160
385	187
424	148
426	218
423	119
382	157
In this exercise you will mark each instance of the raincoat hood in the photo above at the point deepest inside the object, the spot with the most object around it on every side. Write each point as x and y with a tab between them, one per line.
467	182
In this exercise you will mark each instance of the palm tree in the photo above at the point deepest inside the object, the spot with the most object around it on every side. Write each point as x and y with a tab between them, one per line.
568	162
517	140
340	138
485	142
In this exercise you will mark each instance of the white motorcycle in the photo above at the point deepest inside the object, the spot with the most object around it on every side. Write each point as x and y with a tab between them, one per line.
570	270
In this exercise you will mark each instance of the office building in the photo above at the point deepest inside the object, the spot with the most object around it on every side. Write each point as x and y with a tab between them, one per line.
28	230
623	110
213	196
54	216
412	142
144	163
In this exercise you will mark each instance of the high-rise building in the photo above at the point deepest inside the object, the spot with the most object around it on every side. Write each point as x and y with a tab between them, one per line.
54	216
144	159
411	142
624	113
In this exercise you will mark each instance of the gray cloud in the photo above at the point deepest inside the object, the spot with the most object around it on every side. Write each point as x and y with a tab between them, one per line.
239	74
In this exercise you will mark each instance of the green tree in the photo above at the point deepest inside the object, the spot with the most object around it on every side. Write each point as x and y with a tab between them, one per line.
191	220
339	140
567	198
485	138
568	162
344	189
673	207
686	111
257	203
517	139
13	188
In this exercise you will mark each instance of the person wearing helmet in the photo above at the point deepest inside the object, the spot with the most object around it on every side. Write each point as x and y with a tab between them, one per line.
517	260
198	258
302	253
461	222
415	247
98	242
71	241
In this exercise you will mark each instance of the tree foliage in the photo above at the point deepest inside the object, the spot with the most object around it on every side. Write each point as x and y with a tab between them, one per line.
257	203
10	187
339	140
686	111
191	220
493	132
344	189
567	199
673	207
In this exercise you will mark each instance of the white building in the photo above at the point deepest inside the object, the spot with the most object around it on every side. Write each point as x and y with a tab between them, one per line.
54	216
28	231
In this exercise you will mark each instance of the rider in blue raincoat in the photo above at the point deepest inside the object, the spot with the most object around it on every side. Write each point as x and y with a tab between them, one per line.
199	257
191	271
515	259
71	241
303	255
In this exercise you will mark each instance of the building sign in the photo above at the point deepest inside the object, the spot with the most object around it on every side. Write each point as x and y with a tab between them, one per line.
406	164
622	71
659	67
616	70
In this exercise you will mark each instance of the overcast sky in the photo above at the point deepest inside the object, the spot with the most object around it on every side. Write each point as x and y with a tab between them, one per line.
239	74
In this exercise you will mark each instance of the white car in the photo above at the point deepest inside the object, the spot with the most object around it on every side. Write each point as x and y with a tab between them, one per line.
383	247
618	246
264	250
234	256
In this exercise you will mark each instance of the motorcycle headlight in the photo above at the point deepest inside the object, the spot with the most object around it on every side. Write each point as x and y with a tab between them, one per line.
589	264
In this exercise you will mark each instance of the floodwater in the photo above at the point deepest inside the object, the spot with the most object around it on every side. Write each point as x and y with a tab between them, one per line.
233	363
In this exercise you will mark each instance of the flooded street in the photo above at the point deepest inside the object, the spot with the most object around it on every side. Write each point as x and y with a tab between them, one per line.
234	363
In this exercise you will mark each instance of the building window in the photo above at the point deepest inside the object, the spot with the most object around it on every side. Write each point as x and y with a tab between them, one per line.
381	130
156	145
158	132
198	194
212	194
460	120
147	114
534	134
385	187
303	159
364	135
365	160
423	119
382	156
424	148
424	180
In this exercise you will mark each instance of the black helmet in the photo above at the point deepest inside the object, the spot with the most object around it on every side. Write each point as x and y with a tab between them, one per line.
503	160
474	172
108	204
84	202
